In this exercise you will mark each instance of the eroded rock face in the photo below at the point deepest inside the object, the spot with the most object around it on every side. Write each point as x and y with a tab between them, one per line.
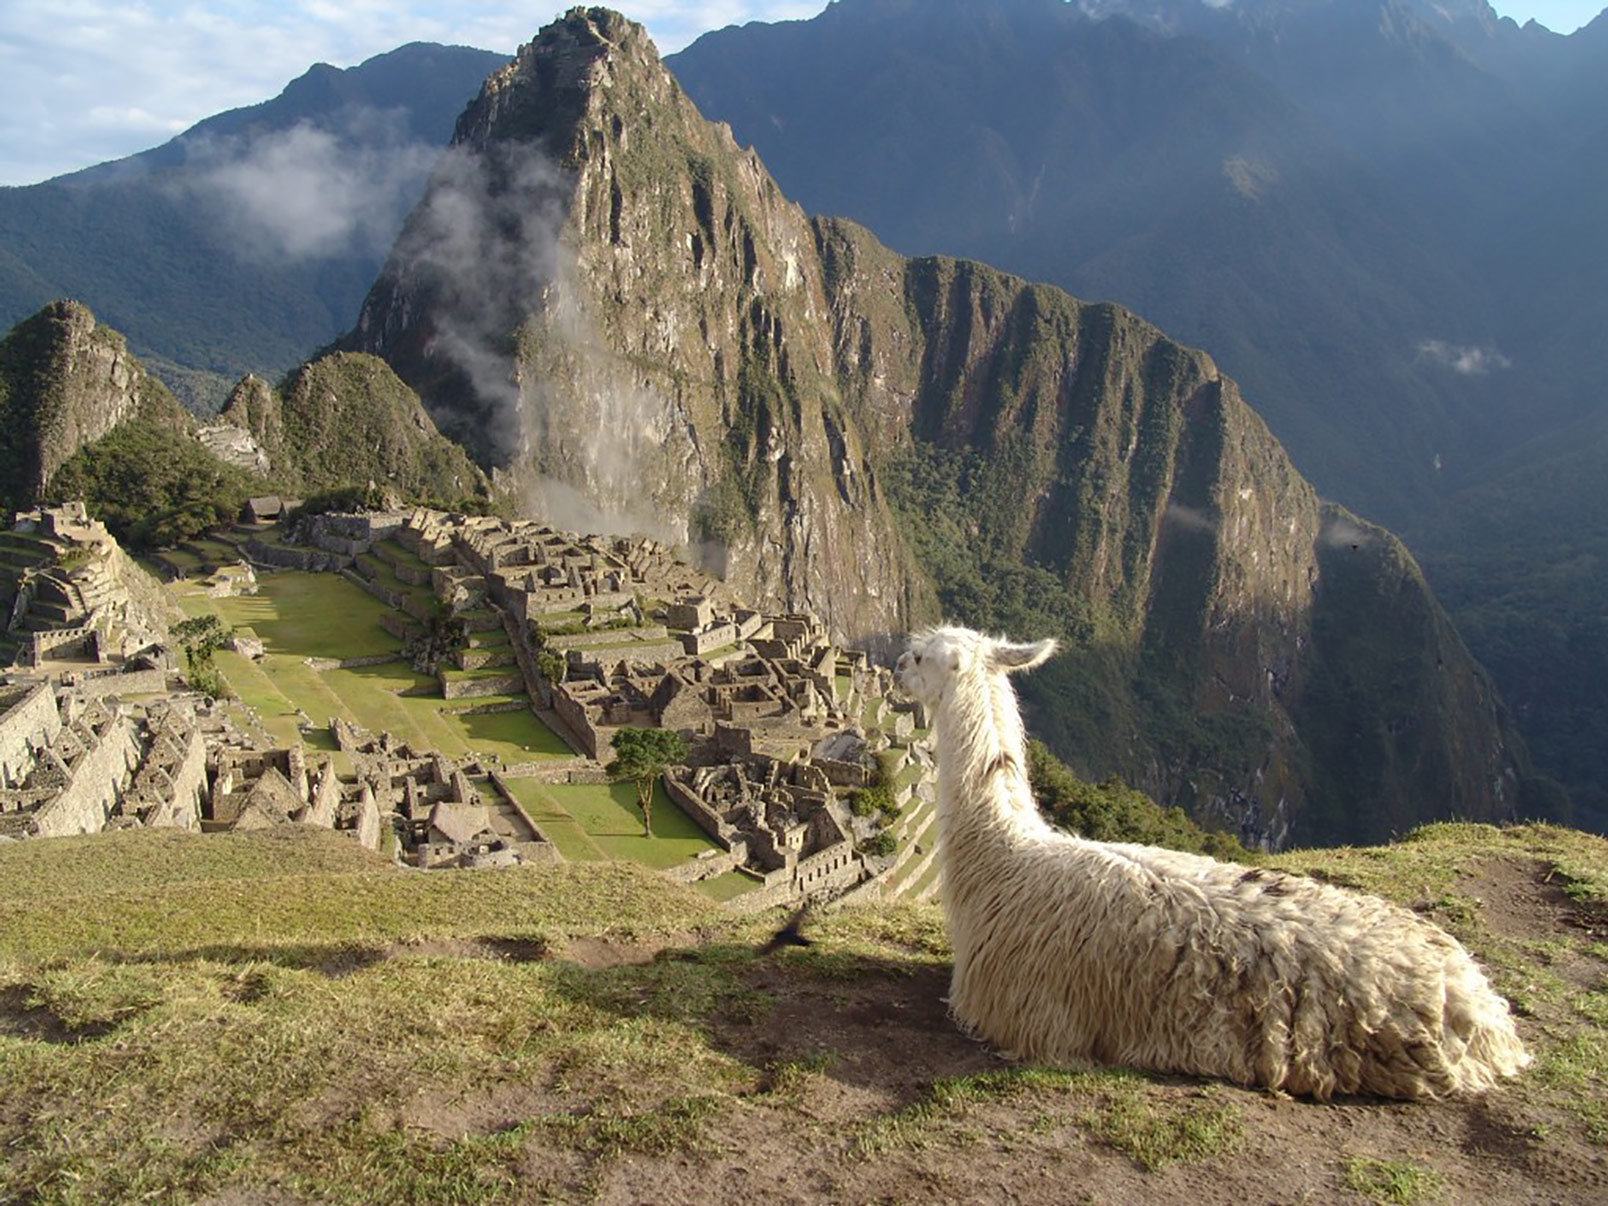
80	382
614	306
234	446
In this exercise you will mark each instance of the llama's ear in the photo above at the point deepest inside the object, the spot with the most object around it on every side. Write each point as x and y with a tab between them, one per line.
1010	657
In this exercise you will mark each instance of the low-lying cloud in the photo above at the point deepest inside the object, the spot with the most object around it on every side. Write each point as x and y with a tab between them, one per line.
1465	359
581	432
311	192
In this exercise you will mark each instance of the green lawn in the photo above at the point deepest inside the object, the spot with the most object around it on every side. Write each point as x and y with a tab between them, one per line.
726	887
607	816
559	827
324	615
311	615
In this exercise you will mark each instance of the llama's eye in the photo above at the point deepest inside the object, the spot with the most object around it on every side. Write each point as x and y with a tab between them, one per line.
918	659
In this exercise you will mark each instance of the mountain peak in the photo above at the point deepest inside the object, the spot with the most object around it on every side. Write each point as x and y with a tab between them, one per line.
585	62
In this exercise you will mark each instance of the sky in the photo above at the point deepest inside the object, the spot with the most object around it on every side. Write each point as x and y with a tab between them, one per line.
86	81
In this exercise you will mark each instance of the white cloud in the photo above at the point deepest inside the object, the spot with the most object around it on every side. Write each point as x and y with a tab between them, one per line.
304	193
86	81
1465	359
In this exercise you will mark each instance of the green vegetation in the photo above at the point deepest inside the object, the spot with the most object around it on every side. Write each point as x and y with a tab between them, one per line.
1393	1182
185	1016
1114	812
346	425
1126	1112
960	511
590	821
153	488
150	484
309	615
881	844
642	755
298	616
200	637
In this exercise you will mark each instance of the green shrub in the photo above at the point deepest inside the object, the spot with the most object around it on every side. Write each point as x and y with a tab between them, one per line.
1114	812
151	487
869	801
880	845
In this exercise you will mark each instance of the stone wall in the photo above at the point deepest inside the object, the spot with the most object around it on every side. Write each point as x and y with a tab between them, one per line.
278	556
131	682
723	835
349	535
29	722
169	787
81	640
494	684
96	781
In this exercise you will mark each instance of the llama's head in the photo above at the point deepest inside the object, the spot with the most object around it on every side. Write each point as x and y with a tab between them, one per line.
940	657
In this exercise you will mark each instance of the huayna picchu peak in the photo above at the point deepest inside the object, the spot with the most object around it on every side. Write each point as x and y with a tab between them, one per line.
614	306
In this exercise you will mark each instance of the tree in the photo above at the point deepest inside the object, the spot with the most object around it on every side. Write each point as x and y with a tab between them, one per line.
642	755
200	637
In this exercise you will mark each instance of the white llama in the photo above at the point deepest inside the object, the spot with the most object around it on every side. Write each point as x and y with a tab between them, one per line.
1069	950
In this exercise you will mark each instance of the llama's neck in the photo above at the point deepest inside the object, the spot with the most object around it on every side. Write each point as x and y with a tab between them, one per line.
982	761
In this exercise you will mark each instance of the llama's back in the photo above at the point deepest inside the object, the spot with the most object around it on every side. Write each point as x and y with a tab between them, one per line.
1077	950
1319	990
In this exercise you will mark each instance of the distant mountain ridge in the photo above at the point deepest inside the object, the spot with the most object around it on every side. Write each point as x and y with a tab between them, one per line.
1382	217
248	241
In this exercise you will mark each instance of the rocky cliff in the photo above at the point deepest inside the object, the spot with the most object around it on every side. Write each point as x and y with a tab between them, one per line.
65	381
606	299
615	307
345	419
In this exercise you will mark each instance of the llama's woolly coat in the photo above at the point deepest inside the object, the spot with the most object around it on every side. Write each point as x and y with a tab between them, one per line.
1069	950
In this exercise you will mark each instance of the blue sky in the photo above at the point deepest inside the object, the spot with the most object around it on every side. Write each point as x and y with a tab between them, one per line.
85	81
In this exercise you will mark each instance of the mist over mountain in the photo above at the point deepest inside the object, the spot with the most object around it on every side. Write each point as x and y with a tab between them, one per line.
249	240
1383	219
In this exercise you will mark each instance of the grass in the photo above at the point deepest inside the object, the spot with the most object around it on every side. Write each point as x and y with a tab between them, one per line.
1156	1130
255	1009
728	886
323	615
293	895
262	1015
310	615
1393	1182
608	817
559	827
1125	1111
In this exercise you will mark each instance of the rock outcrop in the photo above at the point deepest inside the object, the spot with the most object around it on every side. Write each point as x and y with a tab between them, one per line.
65	381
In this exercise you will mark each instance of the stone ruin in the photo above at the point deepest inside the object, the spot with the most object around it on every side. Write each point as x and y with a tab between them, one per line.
440	817
70	593
602	633
647	641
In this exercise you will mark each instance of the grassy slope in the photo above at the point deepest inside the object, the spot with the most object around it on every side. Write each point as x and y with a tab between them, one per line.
324	615
283	1013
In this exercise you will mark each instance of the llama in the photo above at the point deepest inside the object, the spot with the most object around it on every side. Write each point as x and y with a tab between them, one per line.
1070	951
